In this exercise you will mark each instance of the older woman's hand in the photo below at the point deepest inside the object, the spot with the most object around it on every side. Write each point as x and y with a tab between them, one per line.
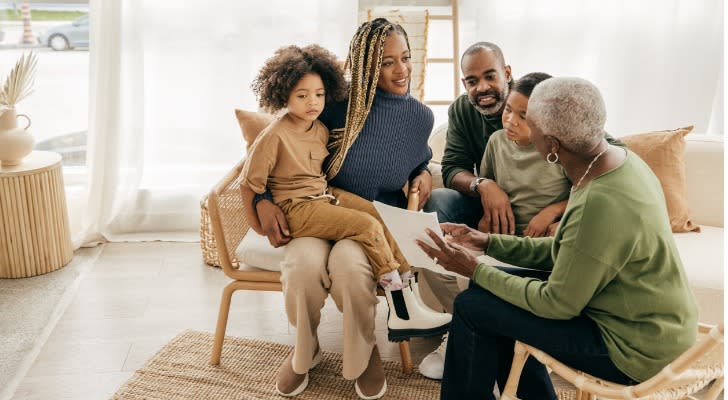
452	256
465	236
423	184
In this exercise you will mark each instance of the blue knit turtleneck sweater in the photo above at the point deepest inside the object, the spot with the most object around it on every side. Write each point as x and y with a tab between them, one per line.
390	150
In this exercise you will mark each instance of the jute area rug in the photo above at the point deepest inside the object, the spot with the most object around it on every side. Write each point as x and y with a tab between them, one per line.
182	370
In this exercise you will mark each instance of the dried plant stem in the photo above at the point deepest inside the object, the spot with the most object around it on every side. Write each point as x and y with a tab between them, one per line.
19	84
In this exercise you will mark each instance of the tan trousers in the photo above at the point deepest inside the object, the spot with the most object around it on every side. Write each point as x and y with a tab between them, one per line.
444	287
354	218
312	269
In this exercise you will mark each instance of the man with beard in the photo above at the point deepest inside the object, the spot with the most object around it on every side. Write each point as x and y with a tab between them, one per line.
472	118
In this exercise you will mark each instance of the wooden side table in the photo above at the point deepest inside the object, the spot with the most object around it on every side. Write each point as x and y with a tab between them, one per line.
34	234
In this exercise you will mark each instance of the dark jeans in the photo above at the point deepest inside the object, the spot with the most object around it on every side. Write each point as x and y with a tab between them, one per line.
453	206
482	335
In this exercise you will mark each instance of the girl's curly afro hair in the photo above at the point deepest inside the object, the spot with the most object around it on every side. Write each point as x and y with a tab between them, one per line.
280	73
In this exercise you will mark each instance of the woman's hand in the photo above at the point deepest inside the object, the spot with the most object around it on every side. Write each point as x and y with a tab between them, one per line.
273	223
451	256
248	195
423	184
465	236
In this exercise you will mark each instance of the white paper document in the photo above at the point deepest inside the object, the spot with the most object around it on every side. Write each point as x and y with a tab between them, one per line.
406	226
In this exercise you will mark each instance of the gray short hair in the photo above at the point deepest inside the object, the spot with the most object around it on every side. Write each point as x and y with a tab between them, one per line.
569	109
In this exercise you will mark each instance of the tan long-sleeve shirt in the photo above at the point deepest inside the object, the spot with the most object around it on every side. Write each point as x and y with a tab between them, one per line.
287	161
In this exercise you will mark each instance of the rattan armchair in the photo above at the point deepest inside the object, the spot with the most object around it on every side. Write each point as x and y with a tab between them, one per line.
692	371
229	226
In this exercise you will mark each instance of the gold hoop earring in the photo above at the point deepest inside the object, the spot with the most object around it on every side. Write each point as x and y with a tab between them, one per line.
555	160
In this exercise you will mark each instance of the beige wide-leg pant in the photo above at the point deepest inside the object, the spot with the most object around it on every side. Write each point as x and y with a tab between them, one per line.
312	269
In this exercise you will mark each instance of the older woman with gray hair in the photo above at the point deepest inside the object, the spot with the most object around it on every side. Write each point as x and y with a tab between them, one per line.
598	293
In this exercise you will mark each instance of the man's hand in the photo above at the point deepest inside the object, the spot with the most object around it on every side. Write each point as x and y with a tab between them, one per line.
423	184
497	212
273	222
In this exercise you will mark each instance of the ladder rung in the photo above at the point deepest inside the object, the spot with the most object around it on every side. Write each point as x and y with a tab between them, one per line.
440	60
438	102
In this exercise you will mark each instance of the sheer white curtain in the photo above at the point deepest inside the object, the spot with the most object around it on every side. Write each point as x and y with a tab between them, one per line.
165	78
658	63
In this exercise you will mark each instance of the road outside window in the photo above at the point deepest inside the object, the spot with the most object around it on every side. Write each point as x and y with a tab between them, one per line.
58	107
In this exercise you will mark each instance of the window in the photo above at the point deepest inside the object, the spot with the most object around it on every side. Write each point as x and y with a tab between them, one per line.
58	107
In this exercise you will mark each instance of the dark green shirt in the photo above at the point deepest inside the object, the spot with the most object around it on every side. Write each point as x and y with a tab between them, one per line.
613	259
468	132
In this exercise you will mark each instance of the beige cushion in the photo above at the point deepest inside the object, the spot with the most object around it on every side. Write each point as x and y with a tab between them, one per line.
251	123
664	152
437	142
704	169
702	256
255	251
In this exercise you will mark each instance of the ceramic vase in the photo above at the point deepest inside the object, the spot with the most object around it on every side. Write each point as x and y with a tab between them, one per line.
15	142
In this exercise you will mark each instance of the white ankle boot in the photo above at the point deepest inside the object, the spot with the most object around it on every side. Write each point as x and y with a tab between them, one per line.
415	285
407	317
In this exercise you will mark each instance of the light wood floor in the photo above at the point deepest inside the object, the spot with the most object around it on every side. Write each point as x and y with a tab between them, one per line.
137	297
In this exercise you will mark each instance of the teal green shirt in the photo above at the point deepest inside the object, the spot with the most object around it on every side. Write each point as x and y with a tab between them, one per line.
613	259
529	181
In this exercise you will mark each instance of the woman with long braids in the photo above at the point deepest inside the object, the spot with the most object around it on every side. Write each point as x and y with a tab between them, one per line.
378	143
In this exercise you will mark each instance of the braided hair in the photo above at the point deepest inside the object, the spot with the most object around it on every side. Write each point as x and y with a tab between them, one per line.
362	64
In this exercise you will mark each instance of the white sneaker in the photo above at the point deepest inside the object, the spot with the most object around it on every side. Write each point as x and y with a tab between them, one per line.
434	363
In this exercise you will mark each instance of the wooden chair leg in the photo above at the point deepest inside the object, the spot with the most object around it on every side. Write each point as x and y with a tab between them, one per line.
222	318
714	390
520	355
404	352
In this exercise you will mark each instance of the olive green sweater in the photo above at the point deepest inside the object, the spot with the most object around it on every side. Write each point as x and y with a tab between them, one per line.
613	259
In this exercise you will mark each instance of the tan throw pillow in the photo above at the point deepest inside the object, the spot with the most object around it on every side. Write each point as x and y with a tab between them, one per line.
664	152
251	123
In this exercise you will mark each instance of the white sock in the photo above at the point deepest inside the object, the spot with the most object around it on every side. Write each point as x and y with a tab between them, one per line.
391	281
406	276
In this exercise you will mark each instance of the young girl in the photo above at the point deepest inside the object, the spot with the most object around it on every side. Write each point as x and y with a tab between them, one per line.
538	193
287	159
